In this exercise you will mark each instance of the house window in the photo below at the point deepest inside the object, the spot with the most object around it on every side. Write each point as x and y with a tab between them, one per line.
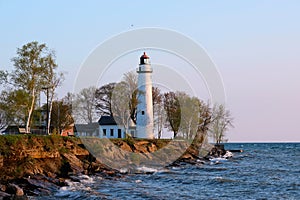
119	133
143	112
132	133
104	132
111	132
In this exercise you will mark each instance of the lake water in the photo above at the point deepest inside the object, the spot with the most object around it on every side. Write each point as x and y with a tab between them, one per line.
262	171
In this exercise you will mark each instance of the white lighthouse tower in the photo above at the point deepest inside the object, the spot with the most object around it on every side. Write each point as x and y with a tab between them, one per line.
144	118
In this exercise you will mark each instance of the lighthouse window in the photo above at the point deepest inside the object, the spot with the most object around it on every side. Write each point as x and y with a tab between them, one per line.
111	132
143	112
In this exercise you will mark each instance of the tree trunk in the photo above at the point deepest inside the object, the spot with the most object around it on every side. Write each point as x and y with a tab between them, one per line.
159	134
50	111
27	128
175	134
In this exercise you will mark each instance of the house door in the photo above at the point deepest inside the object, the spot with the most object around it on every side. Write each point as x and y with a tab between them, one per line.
119	133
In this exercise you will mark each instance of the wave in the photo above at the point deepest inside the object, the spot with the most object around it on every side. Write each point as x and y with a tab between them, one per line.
81	183
228	154
150	170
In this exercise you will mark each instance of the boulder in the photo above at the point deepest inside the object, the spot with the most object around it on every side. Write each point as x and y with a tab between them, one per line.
2	187
14	189
3	195
187	156
75	164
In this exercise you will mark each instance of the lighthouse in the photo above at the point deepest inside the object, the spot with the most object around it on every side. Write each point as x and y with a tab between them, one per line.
144	118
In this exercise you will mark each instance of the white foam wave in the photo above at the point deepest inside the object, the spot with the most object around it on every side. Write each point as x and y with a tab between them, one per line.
124	170
72	186
145	169
220	159
86	179
228	154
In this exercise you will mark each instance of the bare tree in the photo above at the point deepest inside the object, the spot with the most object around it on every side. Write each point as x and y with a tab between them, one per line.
189	114
130	79
173	111
158	110
3	120
84	106
103	97
120	104
221	122
52	80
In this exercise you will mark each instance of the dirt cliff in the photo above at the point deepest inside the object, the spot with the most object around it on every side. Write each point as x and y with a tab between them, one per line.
31	161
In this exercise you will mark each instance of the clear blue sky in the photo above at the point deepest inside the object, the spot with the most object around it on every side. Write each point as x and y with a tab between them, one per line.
255	44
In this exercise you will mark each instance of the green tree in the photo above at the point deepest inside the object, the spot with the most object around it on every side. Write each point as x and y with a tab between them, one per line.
14	105
3	77
61	115
30	74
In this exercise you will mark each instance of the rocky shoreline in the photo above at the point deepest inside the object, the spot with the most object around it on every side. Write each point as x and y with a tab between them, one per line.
38	165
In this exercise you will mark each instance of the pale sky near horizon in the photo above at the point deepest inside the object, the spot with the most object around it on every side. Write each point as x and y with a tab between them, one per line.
255	45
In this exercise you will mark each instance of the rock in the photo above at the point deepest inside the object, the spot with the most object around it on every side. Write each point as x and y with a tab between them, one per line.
125	146
43	192
3	195
186	156
14	189
140	148
141	143
75	164
1	161
42	183
152	148
42	153
217	151
46	161
2	187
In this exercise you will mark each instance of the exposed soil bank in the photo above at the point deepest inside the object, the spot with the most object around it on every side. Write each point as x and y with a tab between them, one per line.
37	165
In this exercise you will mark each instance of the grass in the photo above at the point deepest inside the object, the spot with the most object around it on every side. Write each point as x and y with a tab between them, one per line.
9	144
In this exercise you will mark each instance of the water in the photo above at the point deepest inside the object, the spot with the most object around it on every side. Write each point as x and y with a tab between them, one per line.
262	171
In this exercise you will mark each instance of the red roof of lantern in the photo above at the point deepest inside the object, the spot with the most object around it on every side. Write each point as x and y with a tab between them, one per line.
145	56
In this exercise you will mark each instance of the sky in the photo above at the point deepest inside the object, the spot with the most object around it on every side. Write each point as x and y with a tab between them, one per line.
254	44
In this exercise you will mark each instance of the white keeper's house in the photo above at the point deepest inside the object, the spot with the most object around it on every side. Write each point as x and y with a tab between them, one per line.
106	127
109	128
